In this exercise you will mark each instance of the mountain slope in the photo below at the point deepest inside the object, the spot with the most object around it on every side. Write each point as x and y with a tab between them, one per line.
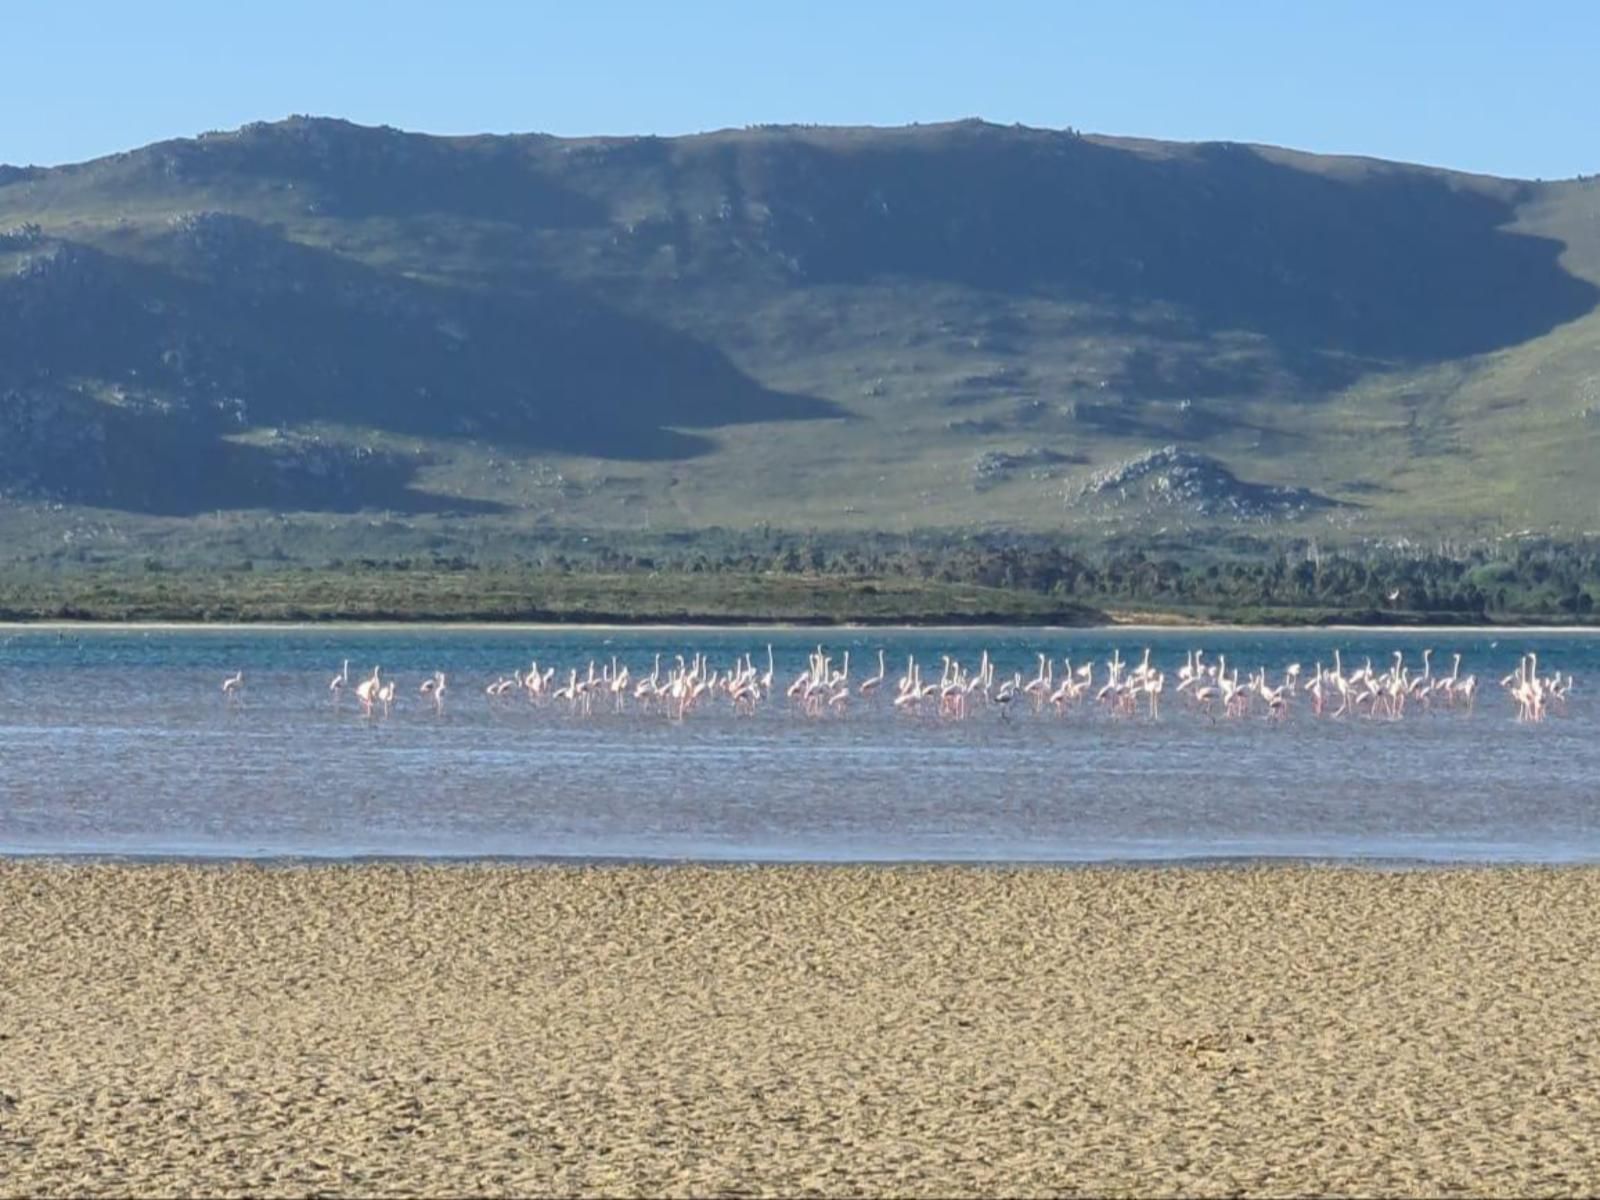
959	325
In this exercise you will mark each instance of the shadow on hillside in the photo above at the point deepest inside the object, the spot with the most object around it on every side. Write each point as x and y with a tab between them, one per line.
1397	264
243	329
248	476
65	447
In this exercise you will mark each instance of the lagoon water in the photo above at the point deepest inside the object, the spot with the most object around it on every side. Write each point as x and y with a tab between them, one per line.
117	741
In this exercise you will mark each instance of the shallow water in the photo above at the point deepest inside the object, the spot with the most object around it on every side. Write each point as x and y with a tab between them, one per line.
118	742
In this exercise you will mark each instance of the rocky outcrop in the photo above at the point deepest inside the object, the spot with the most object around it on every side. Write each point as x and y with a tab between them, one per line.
1038	462
1196	485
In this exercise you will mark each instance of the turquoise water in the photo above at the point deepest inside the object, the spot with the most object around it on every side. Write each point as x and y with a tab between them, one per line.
119	742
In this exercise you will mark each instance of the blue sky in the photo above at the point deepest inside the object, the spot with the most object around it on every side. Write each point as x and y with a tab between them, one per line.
1497	87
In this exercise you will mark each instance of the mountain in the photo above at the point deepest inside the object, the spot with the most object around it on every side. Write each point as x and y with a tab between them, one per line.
962	325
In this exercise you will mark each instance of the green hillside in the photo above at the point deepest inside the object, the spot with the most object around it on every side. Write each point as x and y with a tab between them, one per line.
961	326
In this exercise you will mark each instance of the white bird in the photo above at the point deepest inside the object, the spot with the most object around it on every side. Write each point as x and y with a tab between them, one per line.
868	686
367	690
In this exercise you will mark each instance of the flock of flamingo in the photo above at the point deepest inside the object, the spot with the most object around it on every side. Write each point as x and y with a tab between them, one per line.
957	692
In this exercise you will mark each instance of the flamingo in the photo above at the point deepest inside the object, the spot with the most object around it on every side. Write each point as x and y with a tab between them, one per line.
870	685
367	689
1153	687
958	692
434	689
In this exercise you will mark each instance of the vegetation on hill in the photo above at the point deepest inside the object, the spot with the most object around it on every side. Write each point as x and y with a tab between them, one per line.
961	327
772	575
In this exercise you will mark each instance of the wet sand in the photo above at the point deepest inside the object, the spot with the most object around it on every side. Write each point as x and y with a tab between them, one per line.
441	1030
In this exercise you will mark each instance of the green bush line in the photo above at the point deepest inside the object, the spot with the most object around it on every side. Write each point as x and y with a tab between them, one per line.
1041	586
534	598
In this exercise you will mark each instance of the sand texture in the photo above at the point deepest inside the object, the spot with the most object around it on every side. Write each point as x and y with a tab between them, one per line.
402	1030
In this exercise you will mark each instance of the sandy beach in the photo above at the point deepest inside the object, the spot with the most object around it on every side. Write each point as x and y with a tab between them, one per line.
442	1030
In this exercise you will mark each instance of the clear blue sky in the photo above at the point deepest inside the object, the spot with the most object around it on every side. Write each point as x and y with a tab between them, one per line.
1498	87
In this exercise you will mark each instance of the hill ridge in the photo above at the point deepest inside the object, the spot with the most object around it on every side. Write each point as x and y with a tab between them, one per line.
815	325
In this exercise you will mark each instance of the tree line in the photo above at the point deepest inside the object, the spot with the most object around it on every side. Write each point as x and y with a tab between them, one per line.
1530	577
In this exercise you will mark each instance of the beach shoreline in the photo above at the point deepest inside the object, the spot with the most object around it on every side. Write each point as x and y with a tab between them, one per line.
479	1028
435	625
739	861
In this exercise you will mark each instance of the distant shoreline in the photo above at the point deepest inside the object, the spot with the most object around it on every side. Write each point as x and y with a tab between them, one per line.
508	598
359	624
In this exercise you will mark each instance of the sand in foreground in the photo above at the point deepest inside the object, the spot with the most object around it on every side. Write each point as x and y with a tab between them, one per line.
449	1030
